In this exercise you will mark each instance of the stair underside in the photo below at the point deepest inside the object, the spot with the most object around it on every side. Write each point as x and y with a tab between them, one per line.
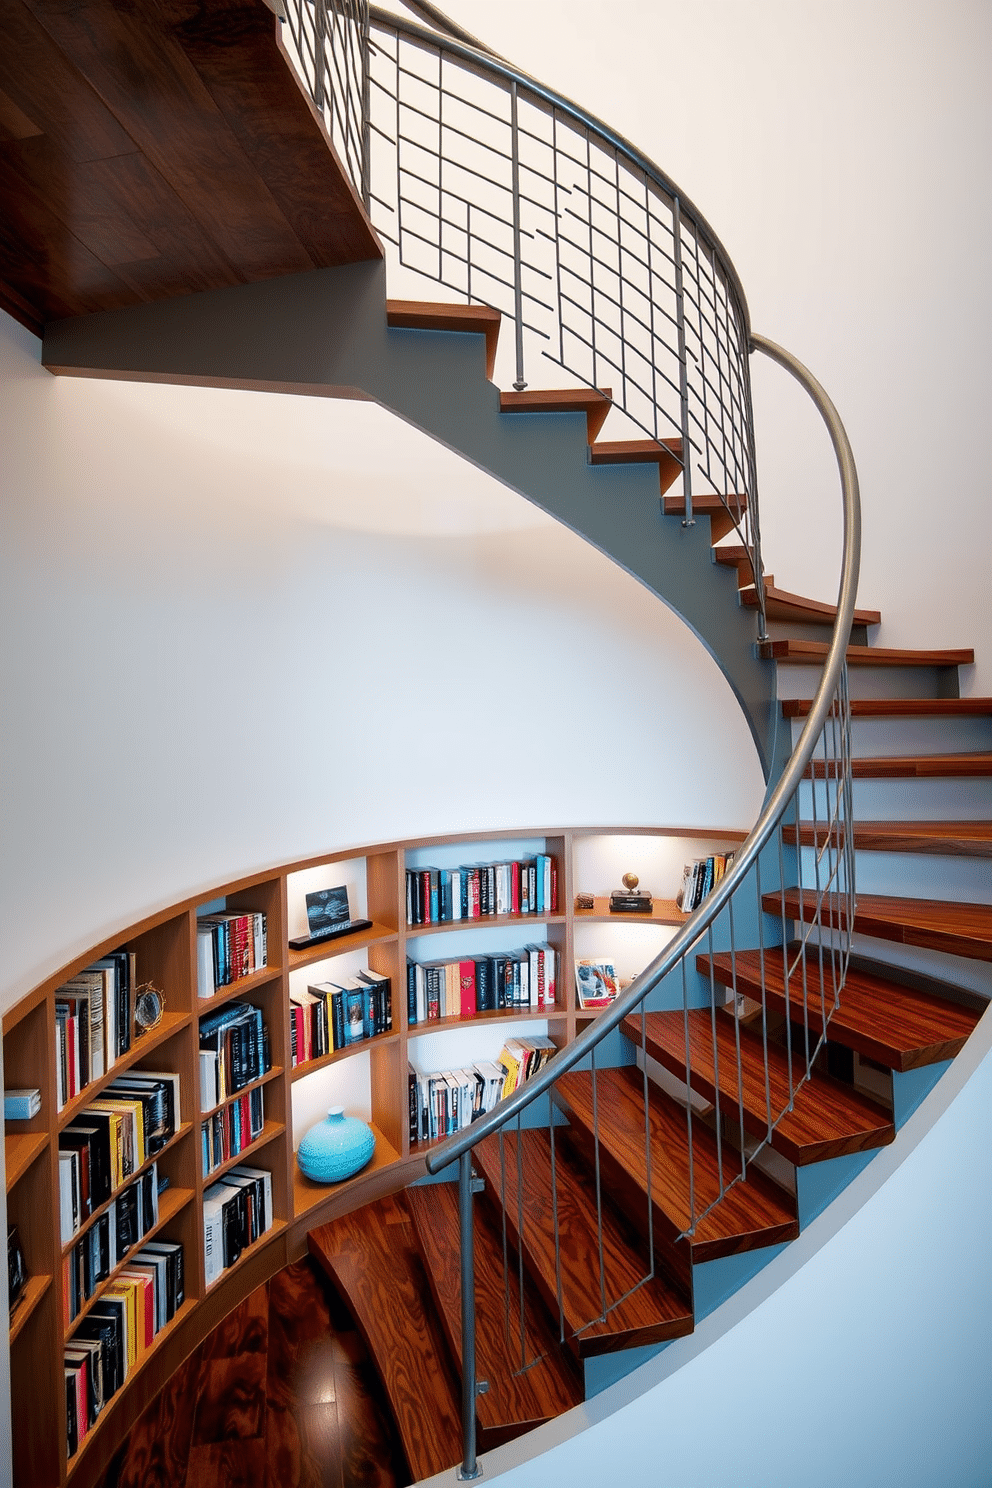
753	1213
781	605
899	707
806	652
518	1398
653	1312
371	1256
962	839
907	767
895	1025
827	1119
960	929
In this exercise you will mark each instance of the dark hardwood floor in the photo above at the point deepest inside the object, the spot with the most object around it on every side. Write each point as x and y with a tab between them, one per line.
281	1395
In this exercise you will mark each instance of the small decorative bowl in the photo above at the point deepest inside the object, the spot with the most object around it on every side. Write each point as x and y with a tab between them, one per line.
336	1148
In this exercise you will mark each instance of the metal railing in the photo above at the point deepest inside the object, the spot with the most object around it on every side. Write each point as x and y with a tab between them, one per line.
497	189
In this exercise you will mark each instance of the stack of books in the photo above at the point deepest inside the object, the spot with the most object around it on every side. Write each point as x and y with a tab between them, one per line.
236	1211
446	1101
332	1015
524	980
127	1220
234	1051
21	1105
436	896
229	946
94	1023
699	878
117	1331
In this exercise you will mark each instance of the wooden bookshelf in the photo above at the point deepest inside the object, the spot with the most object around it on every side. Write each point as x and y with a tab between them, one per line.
165	946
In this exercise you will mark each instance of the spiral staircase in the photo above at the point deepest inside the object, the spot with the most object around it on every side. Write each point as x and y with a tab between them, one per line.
755	1067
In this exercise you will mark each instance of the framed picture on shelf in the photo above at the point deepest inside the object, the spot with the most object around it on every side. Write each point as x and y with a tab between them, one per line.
596	983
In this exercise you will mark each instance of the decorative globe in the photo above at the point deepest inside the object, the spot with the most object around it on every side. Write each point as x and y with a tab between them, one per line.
335	1148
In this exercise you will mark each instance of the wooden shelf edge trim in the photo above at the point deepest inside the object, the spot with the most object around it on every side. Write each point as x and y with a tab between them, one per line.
21	1149
34	1289
267	1078
310	1066
276	1228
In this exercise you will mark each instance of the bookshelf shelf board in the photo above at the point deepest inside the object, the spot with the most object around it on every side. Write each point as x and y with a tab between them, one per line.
341	945
276	1228
308	1195
171	1202
237	991
269	1132
34	1289
99	1426
20	1150
494	1015
272	1074
171	1023
664	913
177	1136
484	922
299	1071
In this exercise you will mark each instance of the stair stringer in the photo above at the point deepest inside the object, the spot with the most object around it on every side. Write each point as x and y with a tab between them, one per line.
324	333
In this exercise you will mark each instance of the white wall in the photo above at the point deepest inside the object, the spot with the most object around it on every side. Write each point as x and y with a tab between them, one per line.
240	629
841	153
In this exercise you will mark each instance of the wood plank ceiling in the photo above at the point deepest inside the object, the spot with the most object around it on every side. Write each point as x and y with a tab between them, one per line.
153	148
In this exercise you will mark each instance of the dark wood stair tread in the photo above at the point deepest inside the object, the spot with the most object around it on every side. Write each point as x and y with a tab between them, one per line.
899	707
781	605
666	453
753	1213
896	1025
595	403
908	766
815	651
939	925
653	1313
964	839
517	1399
428	315
827	1118
371	1256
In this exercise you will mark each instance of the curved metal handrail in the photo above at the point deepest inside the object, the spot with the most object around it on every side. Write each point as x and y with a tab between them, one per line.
767	824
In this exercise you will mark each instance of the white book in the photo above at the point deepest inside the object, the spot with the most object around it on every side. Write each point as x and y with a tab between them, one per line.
67	1183
456	893
213	1237
205	985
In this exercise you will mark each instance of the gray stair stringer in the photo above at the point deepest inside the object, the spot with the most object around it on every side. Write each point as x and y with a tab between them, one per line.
324	333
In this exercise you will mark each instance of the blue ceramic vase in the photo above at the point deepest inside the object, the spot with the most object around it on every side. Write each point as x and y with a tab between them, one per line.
335	1148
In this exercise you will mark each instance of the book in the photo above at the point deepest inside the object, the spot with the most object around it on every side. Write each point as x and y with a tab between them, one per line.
21	1105
596	983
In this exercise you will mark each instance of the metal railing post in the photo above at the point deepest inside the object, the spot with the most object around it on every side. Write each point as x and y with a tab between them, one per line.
518	289
688	520
470	1468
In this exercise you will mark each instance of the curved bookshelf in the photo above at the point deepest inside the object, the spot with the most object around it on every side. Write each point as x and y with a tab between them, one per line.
371	1073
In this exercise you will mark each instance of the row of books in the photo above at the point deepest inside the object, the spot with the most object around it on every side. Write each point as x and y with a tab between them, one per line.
525	979
228	1132
114	1335
436	896
699	877
449	1100
333	1015
236	1210
113	1234
229	945
94	1023
111	1139
234	1051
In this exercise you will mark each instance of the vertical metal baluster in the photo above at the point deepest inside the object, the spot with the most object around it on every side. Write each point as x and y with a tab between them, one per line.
656	430
802	953
521	1323
366	64
440	166
506	1247
599	1188
737	1030
648	1168
785	968
554	1218
688	1104
592	266
557	201
518	286
764	995
470	1467
620	280
753	524
717	1100
320	31
688	520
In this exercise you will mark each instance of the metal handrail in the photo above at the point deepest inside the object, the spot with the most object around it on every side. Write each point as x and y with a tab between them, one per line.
767	824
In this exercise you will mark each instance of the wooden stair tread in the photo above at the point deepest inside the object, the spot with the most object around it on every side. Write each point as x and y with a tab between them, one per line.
781	605
908	766
895	1025
939	925
428	315
517	1399
752	1214
816	651
966	839
595	403
371	1255
898	707
653	1313
827	1118
666	453
724	513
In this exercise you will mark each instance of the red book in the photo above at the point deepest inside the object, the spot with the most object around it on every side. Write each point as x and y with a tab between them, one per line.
425	895
466	983
514	888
